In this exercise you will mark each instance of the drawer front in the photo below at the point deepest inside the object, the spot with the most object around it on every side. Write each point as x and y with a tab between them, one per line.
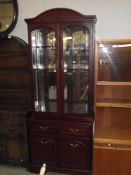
11	129
76	130
12	118
40	127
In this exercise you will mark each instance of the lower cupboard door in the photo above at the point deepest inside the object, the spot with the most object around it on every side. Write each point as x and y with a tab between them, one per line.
14	150
75	154
43	150
111	161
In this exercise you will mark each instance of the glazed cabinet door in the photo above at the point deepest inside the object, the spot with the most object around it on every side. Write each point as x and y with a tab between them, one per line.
75	69
62	69
44	54
43	149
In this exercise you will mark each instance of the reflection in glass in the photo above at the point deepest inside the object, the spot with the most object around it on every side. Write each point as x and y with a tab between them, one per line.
114	61
75	69
6	14
44	70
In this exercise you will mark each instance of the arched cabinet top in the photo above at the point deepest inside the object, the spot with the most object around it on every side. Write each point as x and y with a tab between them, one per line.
61	15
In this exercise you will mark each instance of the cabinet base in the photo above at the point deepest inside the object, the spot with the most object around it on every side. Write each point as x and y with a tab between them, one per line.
36	168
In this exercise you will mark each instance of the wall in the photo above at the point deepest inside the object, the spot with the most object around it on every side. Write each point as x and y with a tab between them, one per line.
113	16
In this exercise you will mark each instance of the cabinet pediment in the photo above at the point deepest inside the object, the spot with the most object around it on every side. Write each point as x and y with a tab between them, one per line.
61	15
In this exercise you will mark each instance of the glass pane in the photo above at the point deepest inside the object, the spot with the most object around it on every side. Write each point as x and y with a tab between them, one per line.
114	61
75	68
44	70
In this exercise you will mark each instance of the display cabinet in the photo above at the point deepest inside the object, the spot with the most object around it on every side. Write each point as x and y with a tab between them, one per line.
62	62
112	132
15	101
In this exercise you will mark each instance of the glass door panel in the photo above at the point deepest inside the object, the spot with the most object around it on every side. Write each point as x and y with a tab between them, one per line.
44	70
75	69
114	61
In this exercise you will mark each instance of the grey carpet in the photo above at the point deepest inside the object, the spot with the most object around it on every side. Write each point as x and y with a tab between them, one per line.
11	170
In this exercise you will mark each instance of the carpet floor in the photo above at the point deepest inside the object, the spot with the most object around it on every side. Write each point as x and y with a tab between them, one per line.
11	170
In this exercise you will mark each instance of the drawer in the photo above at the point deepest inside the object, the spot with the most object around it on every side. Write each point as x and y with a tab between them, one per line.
40	127
76	130
11	129
12	118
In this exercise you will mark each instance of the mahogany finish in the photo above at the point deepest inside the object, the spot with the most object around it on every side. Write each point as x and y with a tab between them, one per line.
62	140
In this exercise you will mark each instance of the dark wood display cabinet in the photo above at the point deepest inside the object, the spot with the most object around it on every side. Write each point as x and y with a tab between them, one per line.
14	101
62	62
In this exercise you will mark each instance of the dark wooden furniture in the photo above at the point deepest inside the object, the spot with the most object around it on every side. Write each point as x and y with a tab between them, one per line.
112	132
14	101
62	61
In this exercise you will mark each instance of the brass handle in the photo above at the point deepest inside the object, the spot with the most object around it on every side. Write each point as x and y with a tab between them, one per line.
44	142
74	131
11	129
43	128
10	118
74	145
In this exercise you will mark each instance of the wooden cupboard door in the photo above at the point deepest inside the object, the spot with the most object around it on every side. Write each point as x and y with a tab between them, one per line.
75	153
14	150
111	162
43	150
